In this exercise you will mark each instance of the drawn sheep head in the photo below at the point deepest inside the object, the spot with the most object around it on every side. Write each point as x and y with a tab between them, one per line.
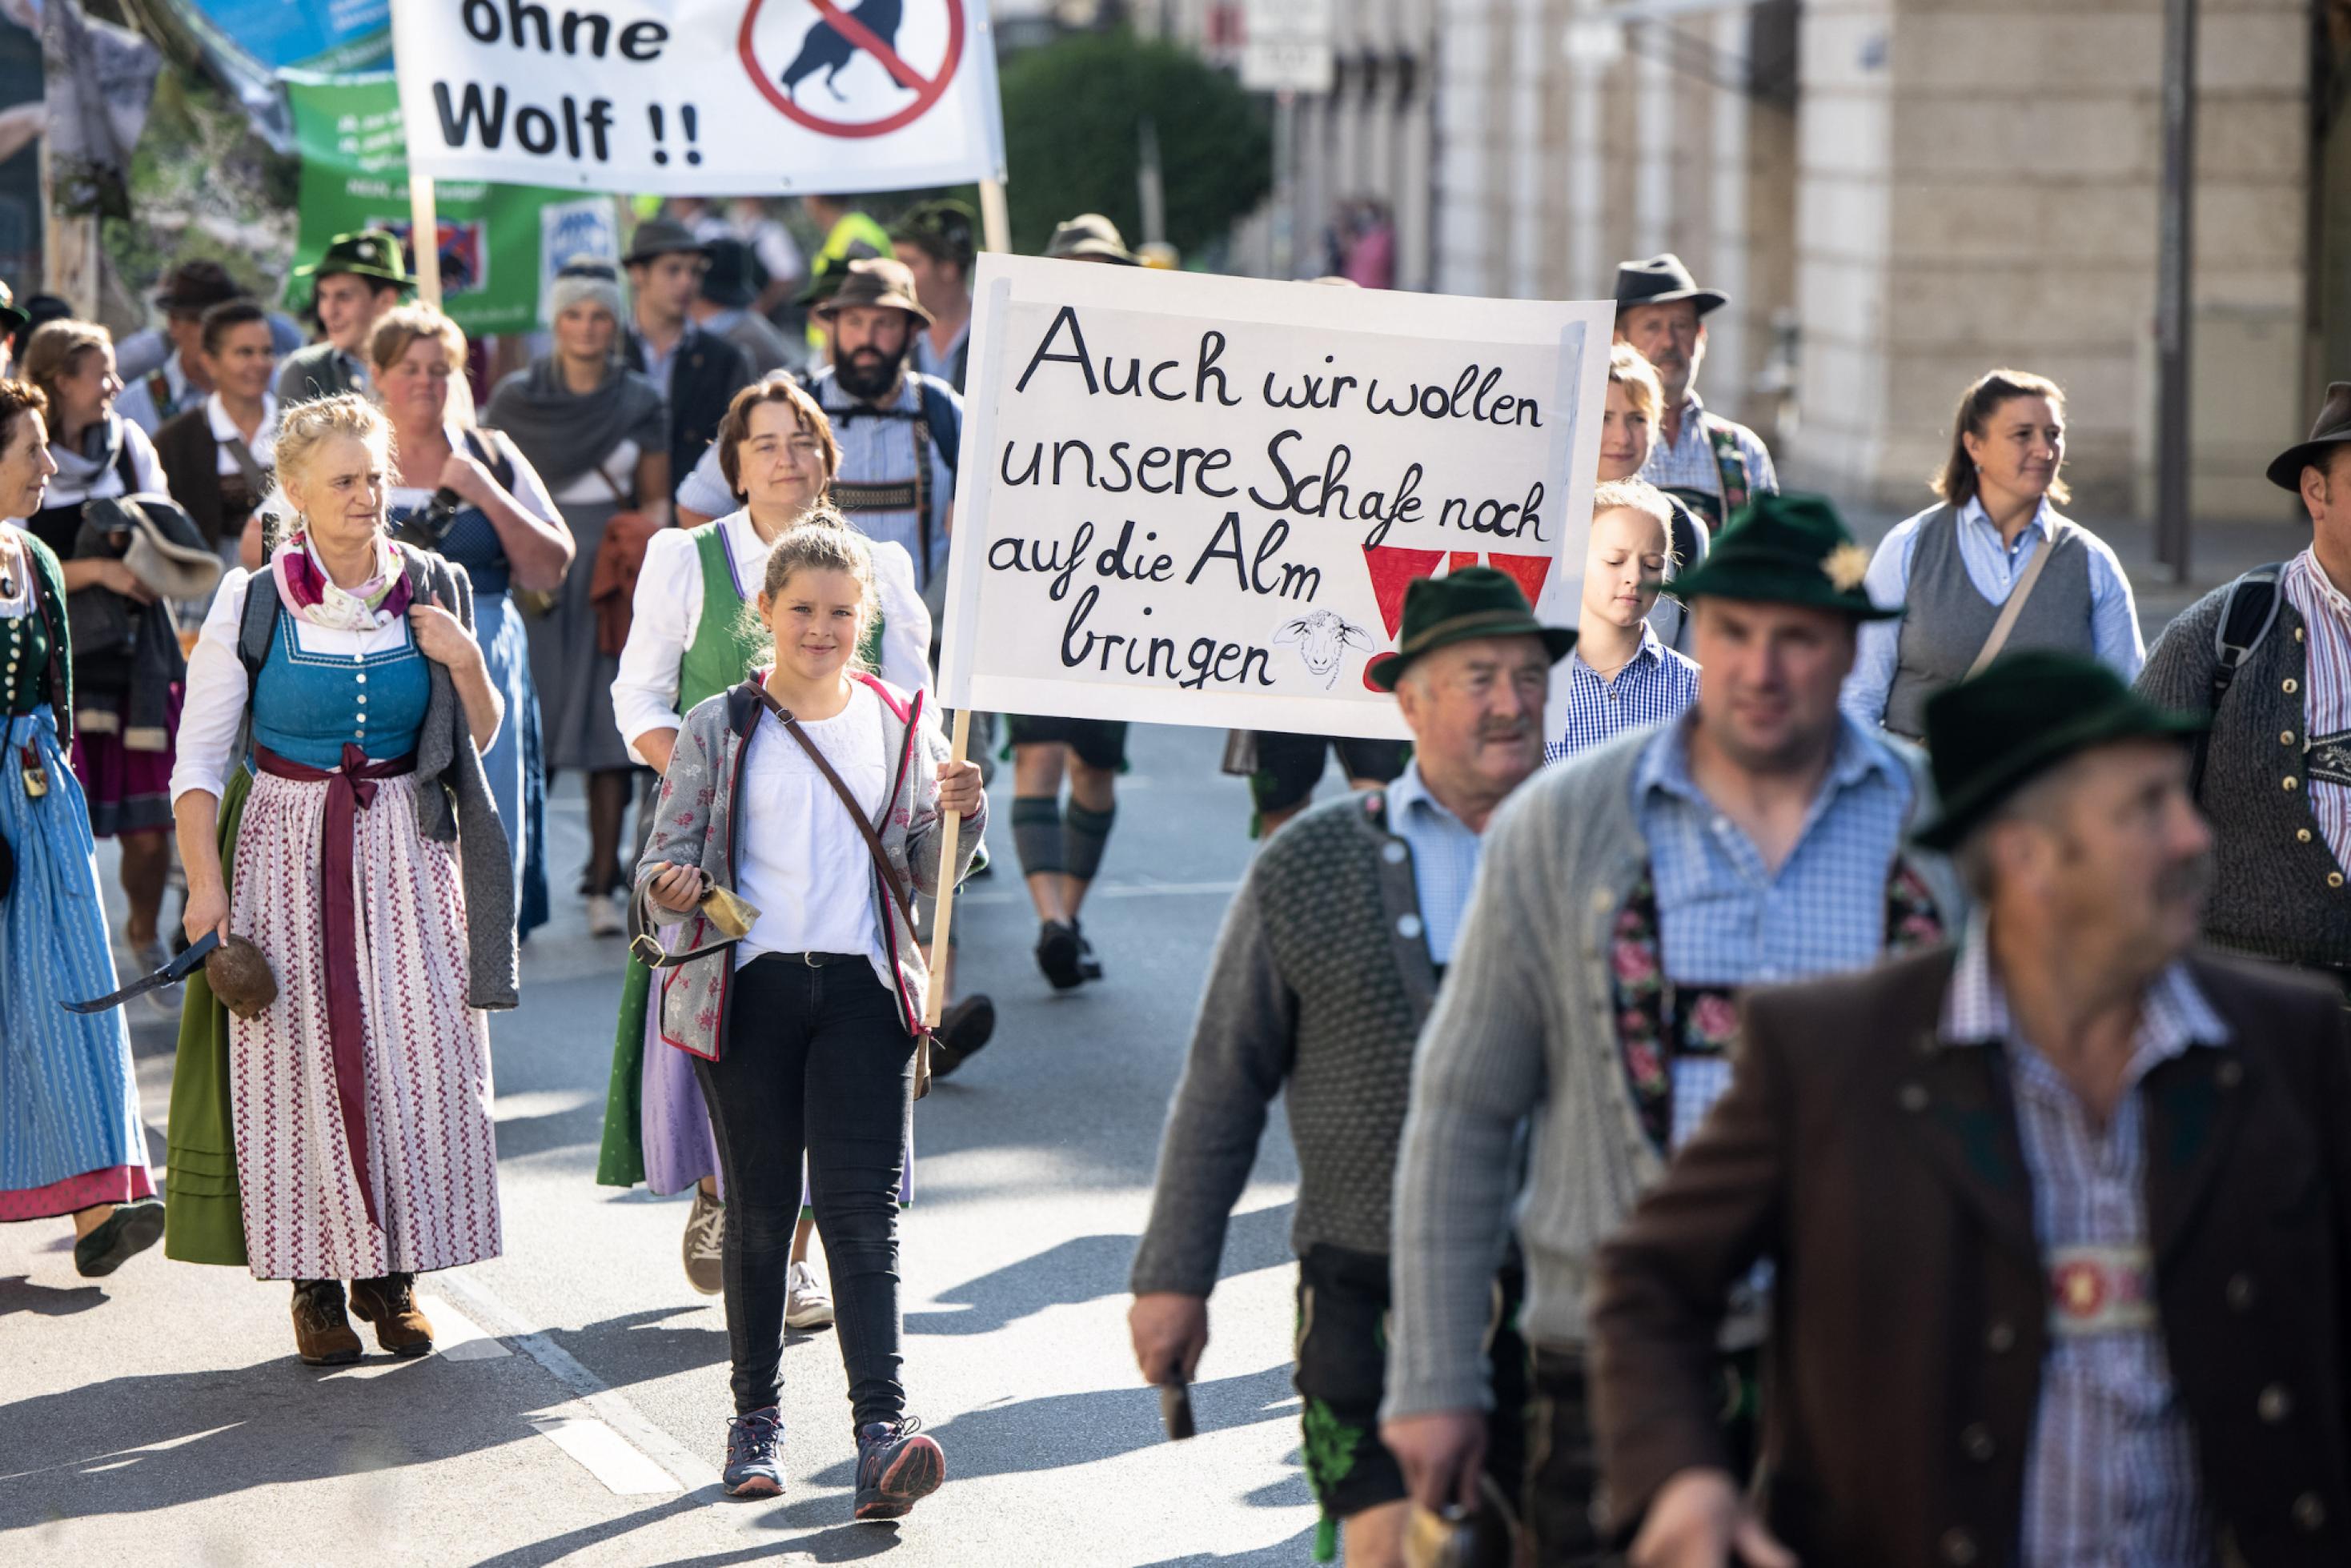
1323	639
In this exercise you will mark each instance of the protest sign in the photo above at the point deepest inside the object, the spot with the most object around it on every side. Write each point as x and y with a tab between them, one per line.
1188	499
701	96
498	245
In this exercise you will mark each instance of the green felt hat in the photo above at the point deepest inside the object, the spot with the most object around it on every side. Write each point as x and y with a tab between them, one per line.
369	253
1992	736
1476	601
1787	549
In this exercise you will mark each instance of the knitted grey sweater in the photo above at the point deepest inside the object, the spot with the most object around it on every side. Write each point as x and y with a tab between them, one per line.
2277	892
1321	981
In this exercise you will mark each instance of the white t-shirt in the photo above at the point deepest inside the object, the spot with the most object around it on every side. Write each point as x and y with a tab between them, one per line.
804	865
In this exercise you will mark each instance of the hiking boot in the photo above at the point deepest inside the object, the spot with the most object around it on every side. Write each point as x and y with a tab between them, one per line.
897	1466
966	1027
390	1303
132	1229
806	1303
752	1441
322	1334
1058	954
706	1236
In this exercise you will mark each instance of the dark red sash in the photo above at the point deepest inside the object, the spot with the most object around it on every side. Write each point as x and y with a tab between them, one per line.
351	790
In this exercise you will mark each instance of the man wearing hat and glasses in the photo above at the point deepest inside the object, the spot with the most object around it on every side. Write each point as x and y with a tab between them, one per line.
181	382
696	372
1710	463
357	279
2268	659
1324	972
1627	895
2061	1216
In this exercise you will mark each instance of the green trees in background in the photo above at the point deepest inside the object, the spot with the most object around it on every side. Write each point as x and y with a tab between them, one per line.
1073	111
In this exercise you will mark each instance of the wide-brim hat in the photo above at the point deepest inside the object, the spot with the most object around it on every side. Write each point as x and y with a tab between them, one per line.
1663	280
369	253
1090	237
167	552
880	282
1476	601
662	236
1787	549
12	320
195	287
726	283
1991	735
2331	429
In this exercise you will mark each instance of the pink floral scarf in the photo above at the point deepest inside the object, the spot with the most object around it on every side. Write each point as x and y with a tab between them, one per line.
1657	1021
304	587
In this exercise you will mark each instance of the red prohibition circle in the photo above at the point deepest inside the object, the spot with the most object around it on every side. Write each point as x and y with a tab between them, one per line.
925	96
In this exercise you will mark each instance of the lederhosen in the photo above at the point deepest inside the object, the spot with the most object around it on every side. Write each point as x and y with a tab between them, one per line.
1730	465
897	496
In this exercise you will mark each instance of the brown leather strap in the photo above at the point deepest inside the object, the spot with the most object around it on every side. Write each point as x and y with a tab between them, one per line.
856	812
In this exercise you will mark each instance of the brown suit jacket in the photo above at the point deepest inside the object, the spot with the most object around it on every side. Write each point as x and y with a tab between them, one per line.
1884	1172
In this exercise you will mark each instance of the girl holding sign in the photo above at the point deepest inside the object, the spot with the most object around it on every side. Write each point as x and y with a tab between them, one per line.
804	1027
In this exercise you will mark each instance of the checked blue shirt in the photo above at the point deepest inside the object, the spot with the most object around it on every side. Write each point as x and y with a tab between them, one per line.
1444	858
2110	1476
1724	918
1657	685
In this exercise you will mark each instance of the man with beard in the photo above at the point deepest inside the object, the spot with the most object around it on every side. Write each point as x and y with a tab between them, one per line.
2060	1217
1710	463
697	372
1324	972
1628	894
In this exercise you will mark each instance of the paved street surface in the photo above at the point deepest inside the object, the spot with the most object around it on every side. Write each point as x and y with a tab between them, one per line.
574	1413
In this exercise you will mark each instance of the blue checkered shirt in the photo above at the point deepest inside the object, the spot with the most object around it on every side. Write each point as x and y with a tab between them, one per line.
1444	858
1724	918
2111	1474
1689	464
1657	685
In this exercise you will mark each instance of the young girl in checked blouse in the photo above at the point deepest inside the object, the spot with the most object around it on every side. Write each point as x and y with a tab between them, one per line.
1620	675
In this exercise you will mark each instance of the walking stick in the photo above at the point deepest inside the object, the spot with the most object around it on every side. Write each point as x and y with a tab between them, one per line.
950	848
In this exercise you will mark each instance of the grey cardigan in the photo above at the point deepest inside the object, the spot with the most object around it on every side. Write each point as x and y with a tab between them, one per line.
696	825
1526	1028
2277	892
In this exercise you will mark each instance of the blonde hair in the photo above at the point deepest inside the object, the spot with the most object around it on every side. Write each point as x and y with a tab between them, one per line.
822	541
399	326
1639	495
302	432
50	353
1628	370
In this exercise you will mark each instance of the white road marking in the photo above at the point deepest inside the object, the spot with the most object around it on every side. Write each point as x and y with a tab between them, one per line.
1114	889
607	1455
454	1335
545	1102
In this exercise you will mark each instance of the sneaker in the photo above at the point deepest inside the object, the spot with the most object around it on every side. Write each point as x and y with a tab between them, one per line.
706	1235
1058	954
604	918
751	1444
967	1026
806	1303
132	1229
897	1466
1089	966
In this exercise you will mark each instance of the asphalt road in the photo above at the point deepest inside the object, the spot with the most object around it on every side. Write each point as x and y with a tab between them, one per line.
575	1412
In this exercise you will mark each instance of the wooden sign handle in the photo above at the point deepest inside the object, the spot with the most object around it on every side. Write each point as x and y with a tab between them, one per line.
950	850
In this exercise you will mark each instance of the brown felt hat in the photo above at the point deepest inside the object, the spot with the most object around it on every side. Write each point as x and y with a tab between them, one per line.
2331	429
880	282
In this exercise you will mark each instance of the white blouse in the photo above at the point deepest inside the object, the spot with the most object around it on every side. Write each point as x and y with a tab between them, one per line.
668	609
264	444
97	484
803	864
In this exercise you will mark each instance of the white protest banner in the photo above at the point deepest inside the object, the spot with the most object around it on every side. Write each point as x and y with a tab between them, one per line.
700	96
1186	500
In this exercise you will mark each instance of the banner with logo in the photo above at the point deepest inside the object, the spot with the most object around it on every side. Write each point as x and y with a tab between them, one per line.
701	96
1190	499
499	245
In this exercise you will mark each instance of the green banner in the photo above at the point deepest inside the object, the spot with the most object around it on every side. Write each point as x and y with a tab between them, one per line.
499	245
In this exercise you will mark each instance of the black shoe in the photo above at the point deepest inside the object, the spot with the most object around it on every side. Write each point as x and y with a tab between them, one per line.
897	1466
1089	966
1059	954
966	1027
132	1229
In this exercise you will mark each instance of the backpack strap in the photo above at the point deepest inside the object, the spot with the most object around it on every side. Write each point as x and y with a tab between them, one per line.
2246	616
1729	463
940	414
489	449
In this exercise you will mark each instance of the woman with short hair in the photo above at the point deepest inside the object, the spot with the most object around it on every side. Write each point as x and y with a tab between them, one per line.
217	455
332	810
1993	567
469	494
597	433
1627	426
71	1143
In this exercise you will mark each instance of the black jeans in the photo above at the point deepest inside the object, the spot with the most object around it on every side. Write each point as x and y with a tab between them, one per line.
815	1059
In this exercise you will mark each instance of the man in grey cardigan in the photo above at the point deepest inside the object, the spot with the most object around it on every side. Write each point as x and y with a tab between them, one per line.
1324	972
1626	895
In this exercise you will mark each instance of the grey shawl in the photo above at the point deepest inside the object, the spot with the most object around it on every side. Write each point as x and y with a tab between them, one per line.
565	433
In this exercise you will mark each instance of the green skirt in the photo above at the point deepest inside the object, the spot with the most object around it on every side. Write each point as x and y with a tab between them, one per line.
204	1221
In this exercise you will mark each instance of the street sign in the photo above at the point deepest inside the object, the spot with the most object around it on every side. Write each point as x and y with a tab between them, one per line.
1286	45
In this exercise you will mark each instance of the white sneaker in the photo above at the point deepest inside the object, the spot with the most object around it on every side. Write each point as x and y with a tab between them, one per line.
604	918
806	1304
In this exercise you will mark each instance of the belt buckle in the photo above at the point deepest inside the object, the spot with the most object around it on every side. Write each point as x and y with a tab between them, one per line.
810	959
